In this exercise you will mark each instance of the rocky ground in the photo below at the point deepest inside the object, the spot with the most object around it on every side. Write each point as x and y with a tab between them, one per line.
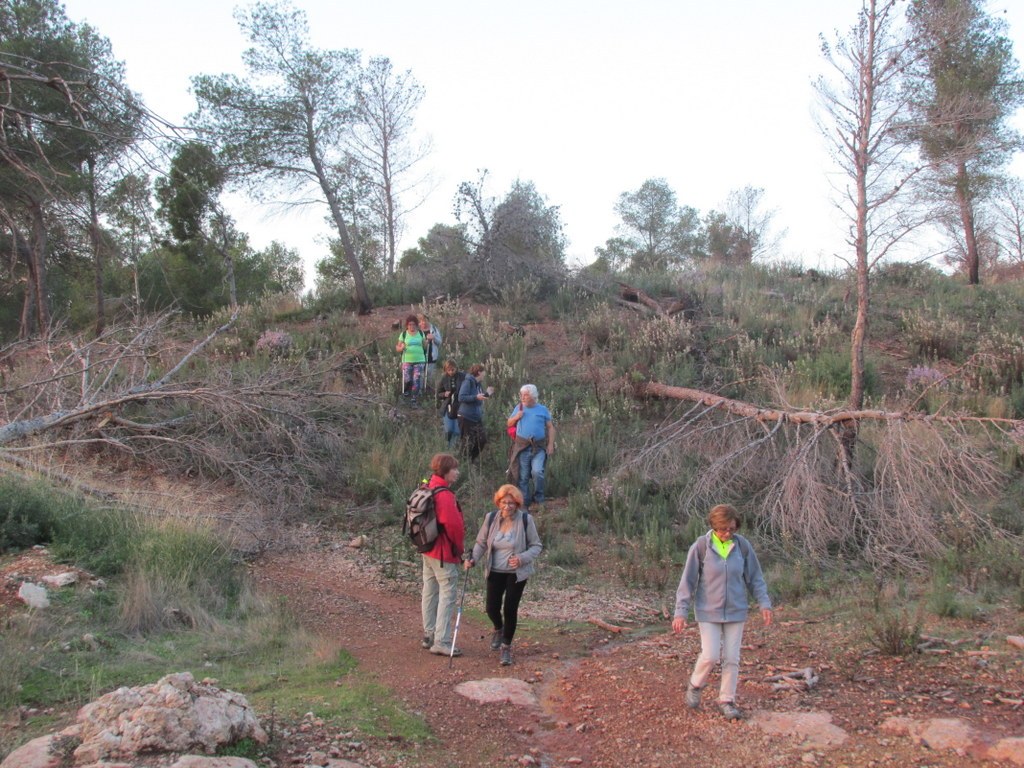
584	694
605	698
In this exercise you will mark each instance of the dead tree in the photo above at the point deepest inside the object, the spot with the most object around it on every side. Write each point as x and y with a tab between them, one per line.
134	392
916	495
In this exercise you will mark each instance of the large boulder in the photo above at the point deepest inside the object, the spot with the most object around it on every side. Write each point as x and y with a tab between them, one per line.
176	714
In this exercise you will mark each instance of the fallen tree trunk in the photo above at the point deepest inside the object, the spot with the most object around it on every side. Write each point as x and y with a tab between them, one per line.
631	294
793	416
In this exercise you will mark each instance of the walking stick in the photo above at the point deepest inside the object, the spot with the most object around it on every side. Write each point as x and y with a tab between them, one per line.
458	619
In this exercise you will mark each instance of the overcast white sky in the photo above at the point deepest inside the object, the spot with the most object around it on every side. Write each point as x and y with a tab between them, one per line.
586	99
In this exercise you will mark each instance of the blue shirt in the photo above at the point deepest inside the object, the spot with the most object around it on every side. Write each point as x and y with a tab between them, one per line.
534	422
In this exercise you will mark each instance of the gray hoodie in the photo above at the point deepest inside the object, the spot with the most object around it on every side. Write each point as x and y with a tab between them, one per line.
717	587
528	544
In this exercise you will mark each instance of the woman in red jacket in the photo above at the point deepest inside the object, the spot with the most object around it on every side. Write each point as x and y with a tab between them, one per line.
441	564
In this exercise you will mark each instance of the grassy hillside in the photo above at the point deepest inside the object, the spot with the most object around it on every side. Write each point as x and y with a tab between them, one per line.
292	417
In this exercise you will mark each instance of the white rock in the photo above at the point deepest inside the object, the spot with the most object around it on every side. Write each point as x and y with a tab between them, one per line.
33	595
498	689
58	580
199	761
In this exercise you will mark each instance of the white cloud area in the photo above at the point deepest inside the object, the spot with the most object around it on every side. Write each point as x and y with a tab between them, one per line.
585	99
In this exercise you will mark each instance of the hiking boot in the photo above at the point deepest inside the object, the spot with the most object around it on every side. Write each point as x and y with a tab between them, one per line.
440	650
496	639
730	711
692	697
428	640
506	655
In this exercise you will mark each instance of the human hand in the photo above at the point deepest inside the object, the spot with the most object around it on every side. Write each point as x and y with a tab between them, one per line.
766	614
514	561
467	564
678	625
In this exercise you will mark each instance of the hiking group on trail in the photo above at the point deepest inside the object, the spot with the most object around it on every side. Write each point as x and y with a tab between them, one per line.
720	575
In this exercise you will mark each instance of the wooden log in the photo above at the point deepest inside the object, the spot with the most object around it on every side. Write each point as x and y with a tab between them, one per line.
629	293
605	625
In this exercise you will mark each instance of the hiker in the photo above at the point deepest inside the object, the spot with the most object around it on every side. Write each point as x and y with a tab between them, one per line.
441	564
432	339
721	568
448	393
508	544
534	441
471	411
412	345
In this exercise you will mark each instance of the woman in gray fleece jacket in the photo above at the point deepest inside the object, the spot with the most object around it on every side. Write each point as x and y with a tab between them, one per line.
721	568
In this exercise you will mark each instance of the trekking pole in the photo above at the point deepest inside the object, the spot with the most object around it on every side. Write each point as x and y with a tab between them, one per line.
458	619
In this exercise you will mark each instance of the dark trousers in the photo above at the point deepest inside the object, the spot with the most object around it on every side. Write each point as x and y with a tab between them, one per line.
474	436
504	585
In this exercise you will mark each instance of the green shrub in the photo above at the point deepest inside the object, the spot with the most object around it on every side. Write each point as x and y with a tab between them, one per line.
893	631
26	514
829	373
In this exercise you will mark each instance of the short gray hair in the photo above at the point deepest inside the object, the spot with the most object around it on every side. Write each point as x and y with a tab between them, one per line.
531	390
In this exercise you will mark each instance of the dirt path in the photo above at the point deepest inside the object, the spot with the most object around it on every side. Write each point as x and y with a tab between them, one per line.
607	700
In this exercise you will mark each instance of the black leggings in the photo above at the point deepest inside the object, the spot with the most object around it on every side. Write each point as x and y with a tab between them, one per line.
499	585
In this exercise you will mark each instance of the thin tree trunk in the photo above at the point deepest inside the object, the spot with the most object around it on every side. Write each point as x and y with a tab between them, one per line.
362	295
37	259
97	252
28	307
963	200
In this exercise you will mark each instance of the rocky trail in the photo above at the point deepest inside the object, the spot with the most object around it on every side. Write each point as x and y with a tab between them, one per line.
582	695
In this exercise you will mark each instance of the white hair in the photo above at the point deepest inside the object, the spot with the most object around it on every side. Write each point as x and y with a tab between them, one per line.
531	390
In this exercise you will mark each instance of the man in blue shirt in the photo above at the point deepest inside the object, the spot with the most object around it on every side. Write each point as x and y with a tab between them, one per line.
534	442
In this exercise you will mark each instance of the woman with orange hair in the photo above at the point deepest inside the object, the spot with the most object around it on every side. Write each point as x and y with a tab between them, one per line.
508	543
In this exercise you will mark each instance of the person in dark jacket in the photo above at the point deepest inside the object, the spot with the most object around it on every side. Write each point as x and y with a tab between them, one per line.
448	394
441	563
721	568
507	544
471	411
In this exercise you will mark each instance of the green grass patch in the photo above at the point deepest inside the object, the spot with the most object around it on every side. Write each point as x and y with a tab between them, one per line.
333	690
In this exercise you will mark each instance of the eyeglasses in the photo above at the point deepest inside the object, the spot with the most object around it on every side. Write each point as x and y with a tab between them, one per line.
508	501
724	532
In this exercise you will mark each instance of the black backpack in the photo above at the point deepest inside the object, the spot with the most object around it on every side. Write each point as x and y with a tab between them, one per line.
452	404
420	521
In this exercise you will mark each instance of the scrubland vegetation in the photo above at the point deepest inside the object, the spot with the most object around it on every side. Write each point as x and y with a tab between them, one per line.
630	475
